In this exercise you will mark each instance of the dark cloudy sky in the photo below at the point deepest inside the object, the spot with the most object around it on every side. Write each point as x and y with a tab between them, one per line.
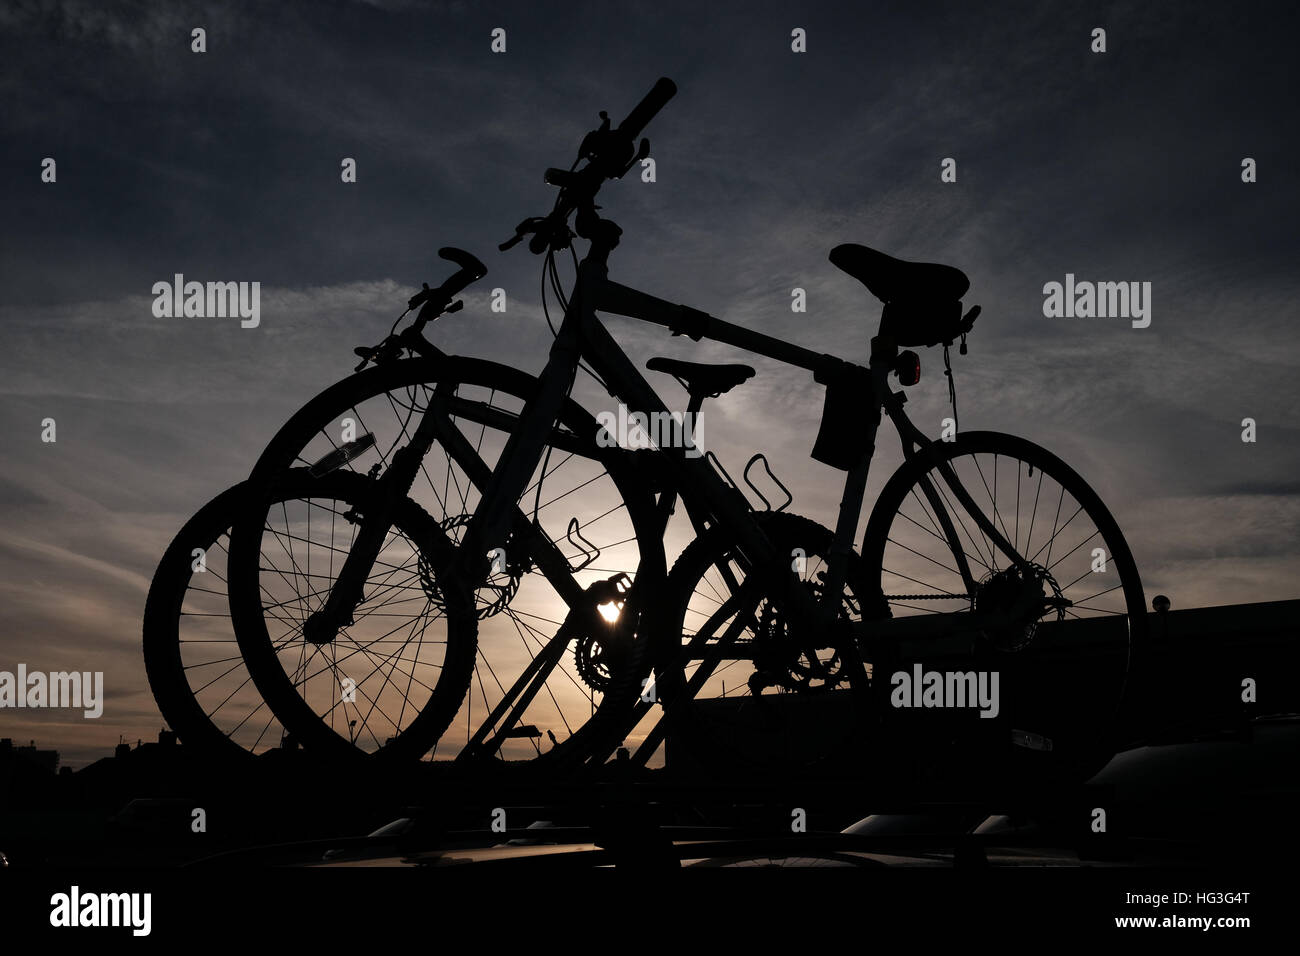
225	166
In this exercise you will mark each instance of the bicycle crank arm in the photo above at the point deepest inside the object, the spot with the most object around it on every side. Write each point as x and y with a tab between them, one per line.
709	656
535	675
520	694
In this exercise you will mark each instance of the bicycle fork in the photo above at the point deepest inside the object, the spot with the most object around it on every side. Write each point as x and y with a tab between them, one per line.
490	522
323	625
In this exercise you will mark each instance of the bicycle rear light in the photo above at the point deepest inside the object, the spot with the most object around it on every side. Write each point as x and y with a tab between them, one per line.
908	367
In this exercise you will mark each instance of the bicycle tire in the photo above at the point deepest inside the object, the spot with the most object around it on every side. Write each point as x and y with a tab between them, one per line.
1080	745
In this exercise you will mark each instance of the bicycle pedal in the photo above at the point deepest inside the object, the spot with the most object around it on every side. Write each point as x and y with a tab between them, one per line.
611	589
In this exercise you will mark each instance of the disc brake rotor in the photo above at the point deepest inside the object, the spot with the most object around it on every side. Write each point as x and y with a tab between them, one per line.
493	596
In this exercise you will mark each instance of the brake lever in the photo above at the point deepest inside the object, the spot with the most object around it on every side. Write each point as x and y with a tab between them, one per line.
419	297
527	227
383	352
594	141
431	312
641	154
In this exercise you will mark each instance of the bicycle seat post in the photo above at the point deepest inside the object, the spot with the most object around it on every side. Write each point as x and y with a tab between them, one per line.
694	403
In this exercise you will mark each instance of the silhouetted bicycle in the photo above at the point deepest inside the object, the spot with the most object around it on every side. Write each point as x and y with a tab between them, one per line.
983	548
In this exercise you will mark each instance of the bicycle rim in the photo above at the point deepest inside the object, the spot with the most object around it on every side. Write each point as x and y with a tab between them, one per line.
1064	674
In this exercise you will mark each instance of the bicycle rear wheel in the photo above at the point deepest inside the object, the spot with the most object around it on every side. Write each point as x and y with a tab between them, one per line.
191	657
1063	632
535	689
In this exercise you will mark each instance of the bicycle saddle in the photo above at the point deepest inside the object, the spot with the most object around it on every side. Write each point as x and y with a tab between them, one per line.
890	279
709	381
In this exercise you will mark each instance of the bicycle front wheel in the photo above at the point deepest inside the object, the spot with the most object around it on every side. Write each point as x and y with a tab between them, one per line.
536	688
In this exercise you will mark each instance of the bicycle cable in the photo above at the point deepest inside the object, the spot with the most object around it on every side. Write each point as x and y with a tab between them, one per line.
551	274
397	321
952	387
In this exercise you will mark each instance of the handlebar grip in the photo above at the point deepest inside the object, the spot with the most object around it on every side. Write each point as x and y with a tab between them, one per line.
471	270
463	259
663	91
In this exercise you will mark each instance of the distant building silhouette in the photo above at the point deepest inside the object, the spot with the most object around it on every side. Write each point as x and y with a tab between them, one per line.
45	759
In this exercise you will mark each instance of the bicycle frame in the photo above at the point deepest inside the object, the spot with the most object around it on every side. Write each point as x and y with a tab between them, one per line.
582	336
706	495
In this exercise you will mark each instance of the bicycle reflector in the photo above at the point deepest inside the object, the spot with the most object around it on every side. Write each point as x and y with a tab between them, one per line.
908	367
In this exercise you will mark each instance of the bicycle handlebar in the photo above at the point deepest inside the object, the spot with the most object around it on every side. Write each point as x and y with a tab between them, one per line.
650	105
471	270
609	154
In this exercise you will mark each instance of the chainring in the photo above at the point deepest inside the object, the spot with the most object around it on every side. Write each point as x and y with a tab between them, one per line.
782	660
589	655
